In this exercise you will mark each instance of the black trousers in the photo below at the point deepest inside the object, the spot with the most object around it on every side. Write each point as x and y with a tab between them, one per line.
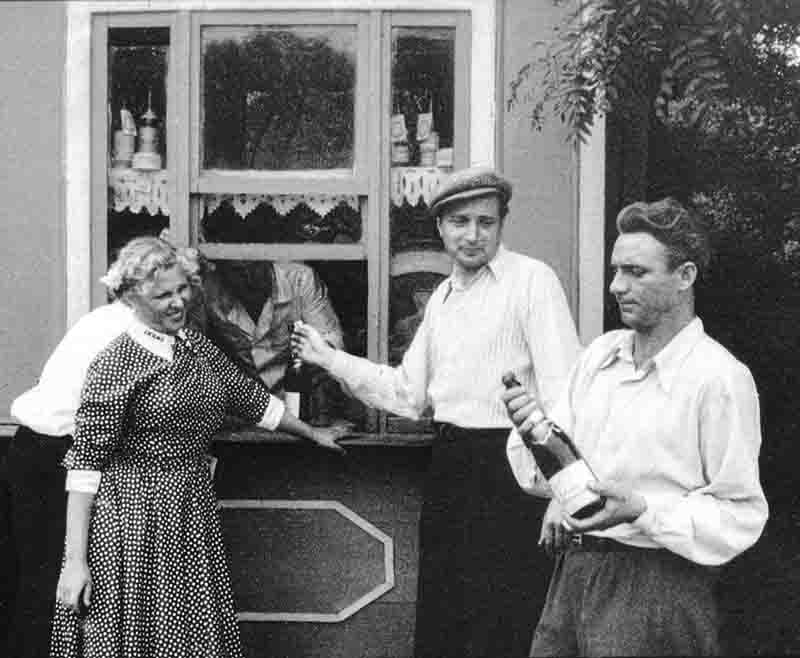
35	483
482	578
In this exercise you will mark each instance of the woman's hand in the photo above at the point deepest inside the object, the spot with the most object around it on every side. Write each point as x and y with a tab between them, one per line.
328	437
311	347
75	585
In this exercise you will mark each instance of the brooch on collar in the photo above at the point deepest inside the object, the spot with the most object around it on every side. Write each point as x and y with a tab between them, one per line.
152	334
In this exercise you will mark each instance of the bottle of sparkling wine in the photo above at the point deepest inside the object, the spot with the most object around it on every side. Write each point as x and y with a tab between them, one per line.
297	386
561	463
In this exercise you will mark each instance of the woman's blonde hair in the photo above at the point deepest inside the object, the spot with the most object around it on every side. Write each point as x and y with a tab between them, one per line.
141	258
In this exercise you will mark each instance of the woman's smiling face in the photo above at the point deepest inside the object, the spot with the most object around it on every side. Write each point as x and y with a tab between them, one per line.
161	302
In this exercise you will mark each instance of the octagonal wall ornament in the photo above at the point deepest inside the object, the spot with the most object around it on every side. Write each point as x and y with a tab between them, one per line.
304	560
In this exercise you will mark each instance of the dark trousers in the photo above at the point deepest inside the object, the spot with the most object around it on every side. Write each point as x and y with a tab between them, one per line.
35	482
628	602
482	579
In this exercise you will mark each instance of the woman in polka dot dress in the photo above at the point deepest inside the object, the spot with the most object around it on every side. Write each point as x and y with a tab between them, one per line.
144	572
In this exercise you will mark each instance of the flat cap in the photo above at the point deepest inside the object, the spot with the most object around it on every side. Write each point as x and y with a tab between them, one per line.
469	184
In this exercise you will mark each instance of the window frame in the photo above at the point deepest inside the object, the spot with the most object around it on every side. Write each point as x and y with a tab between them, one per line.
177	96
83	262
86	147
369	179
353	181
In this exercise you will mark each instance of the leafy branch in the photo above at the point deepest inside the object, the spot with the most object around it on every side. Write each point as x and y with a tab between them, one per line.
656	50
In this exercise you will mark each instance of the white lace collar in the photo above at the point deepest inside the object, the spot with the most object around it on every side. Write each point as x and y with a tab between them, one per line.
156	342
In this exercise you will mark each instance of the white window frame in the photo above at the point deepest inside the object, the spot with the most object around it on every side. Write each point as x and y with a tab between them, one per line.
78	86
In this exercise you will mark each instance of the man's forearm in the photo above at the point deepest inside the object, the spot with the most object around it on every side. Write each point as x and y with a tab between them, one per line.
377	385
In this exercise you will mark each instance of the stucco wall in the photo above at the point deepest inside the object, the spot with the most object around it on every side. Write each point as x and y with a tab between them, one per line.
32	286
543	221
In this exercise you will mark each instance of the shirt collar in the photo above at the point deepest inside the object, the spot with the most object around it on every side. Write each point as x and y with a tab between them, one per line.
155	342
496	268
281	288
499	265
669	359
620	350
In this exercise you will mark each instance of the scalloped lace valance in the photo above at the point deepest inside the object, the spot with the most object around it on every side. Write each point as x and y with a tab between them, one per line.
410	184
283	204
135	190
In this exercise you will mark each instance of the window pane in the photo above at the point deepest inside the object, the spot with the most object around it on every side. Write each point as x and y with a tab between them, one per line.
278	97
137	105
421	143
423	85
248	306
284	218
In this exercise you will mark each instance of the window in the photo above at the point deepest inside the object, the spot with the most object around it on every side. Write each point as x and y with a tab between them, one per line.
273	136
278	97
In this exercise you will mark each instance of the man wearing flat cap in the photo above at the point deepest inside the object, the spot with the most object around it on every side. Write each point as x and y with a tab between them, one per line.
480	581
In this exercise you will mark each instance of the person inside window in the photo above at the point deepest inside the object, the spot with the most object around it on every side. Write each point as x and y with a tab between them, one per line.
247	309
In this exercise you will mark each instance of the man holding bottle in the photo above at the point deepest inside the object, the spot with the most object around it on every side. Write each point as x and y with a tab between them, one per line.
669	421
247	308
479	581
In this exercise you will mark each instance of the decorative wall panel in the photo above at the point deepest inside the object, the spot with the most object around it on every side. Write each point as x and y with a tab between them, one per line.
301	560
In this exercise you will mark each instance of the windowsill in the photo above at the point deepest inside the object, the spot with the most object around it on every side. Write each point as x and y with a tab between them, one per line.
265	437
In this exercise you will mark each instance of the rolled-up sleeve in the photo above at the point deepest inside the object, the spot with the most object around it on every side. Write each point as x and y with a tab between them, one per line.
273	414
83	481
523	466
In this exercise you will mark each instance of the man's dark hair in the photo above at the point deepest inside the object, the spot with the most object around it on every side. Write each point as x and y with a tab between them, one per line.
676	227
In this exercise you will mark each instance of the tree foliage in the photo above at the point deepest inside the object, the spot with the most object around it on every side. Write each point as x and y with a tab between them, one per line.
702	102
278	100
702	99
659	50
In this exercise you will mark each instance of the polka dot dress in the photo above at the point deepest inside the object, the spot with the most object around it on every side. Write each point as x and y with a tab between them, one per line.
161	587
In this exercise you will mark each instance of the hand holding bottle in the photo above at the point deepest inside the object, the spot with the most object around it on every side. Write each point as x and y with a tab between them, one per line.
556	455
522	407
621	505
297	384
310	346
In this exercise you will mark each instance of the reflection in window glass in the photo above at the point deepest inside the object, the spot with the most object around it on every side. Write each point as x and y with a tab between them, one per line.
278	98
